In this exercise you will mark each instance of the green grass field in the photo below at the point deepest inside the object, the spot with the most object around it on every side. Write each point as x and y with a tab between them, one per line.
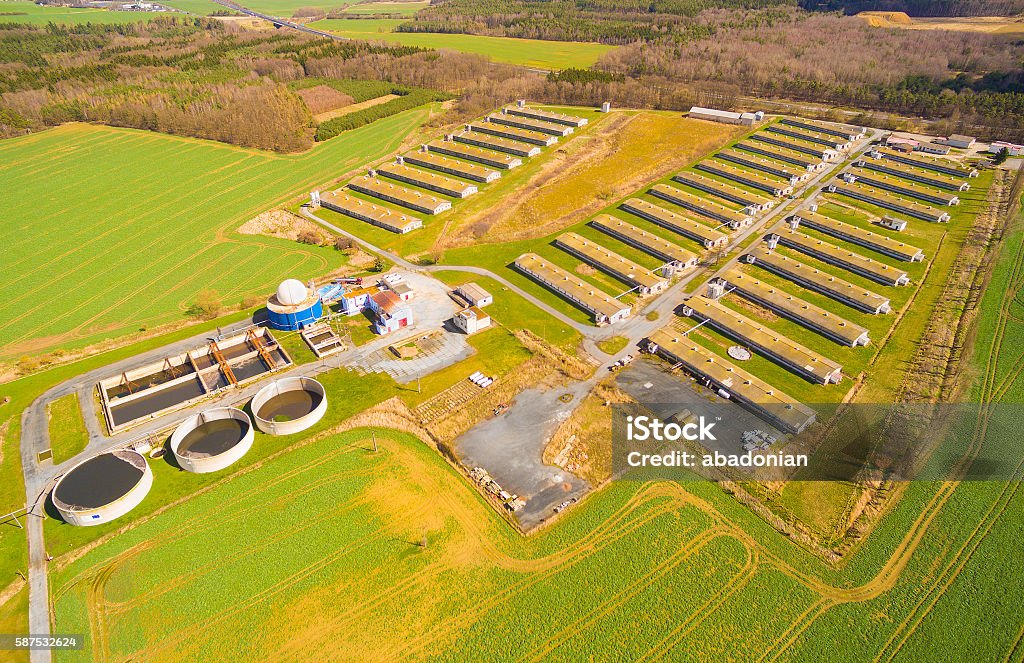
68	435
552	55
324	525
108	230
15	396
283	8
22	11
405	9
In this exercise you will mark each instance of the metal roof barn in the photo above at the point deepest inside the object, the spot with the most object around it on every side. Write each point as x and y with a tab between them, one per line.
544	127
611	262
789	306
427	180
684	225
774	406
769	166
650	243
773	185
792	157
377	215
512	133
702	206
605	308
400	195
896	184
884	200
546	115
818	281
944	166
844	258
764	340
443	164
857	235
733	194
514	147
473	153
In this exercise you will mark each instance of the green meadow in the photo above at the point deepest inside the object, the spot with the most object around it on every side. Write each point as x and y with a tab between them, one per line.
328	522
106	231
537	53
21	11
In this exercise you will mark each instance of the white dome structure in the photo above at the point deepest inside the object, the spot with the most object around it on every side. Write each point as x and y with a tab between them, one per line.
291	292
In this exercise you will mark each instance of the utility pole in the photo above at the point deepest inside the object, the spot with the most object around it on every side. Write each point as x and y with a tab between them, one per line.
419	386
373	436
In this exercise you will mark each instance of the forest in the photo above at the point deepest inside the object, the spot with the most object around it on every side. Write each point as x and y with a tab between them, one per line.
204	78
194	77
772	50
605	21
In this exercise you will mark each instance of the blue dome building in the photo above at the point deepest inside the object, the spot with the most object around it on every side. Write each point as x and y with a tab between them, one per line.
294	306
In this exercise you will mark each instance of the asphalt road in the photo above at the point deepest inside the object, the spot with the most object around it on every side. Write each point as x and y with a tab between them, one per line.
280	22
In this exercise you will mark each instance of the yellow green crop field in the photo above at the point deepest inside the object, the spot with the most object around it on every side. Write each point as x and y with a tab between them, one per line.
394	8
107	230
526	52
399	558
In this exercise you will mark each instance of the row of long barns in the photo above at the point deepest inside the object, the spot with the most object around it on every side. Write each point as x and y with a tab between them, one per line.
914	185
823	274
782	275
818	272
674	221
396	196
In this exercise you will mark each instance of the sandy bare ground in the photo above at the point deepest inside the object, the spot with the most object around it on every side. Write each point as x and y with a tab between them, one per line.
280	224
352	108
986	24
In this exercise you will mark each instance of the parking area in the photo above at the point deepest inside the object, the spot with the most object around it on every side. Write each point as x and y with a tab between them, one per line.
434	351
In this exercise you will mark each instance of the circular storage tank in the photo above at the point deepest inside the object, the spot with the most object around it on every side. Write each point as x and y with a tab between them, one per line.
102	488
289	405
212	440
293	306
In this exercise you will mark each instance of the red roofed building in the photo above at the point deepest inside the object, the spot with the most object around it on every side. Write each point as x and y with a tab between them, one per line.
391	313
